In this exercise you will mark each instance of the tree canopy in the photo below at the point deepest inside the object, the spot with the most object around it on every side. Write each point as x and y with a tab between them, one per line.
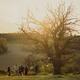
53	34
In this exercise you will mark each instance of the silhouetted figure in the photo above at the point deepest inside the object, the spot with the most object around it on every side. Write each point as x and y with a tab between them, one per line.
21	70
26	70
15	70
9	71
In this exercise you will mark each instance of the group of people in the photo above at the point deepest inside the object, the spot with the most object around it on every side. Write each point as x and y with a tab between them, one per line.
21	70
17	70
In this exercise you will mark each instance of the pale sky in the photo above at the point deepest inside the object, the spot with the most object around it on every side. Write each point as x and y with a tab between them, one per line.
13	11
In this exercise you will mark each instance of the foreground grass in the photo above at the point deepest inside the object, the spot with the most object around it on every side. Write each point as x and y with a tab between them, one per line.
41	77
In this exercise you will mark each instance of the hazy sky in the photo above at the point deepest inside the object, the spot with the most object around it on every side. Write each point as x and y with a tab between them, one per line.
13	11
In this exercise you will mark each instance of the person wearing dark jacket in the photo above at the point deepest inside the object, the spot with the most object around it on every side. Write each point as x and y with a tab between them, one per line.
9	71
26	70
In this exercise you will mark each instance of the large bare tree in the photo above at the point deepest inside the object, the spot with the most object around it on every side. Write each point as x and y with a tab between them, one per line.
53	34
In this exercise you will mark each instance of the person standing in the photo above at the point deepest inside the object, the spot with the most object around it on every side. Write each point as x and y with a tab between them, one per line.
26	70
9	71
21	70
15	70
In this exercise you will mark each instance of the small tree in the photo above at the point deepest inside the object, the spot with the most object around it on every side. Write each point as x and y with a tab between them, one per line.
53	34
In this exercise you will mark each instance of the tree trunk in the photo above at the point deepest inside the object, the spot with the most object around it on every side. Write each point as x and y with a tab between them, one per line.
57	65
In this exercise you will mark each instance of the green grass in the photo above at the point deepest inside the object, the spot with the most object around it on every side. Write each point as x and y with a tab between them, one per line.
41	77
